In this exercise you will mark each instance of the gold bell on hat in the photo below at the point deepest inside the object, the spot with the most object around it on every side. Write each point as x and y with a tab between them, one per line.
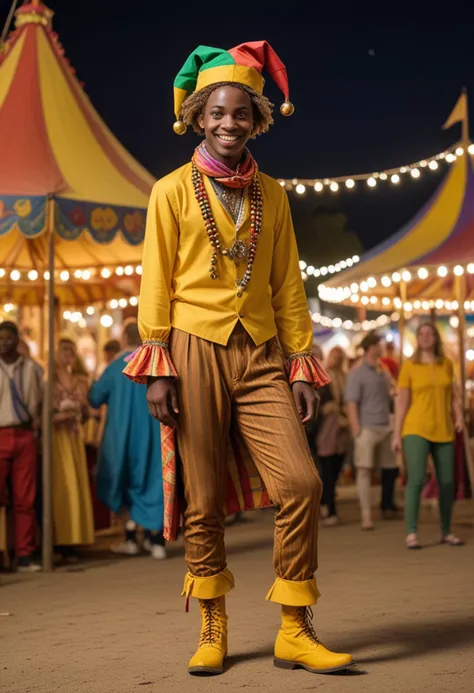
287	108
179	127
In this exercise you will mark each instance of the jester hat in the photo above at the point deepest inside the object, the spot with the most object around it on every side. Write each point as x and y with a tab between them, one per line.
242	65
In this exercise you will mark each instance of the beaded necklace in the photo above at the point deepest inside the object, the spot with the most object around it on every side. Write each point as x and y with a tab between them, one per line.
239	249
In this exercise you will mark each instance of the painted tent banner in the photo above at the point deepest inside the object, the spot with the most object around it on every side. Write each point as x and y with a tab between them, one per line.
101	220
28	214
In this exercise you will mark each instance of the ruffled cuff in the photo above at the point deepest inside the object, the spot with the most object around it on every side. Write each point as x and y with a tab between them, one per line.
305	368
151	360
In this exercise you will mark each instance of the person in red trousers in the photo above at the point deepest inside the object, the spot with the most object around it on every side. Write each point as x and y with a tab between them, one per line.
20	408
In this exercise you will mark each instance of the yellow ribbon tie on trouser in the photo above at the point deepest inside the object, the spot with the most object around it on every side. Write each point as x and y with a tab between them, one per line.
207	587
293	592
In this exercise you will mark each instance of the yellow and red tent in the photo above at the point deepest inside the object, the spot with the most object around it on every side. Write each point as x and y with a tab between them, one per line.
54	145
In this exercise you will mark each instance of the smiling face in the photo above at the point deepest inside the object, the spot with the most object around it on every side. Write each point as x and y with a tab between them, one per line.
427	338
227	121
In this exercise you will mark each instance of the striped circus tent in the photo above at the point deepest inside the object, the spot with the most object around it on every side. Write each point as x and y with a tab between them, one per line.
60	159
422	262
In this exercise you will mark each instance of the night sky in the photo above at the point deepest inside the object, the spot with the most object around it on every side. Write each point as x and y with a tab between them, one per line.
371	92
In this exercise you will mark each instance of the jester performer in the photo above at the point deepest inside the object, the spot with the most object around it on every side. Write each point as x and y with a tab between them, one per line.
227	355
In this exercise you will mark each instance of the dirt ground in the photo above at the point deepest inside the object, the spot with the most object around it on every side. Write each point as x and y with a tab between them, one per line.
119	626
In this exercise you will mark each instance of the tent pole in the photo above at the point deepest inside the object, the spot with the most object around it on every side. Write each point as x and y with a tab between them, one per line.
47	533
401	322
460	287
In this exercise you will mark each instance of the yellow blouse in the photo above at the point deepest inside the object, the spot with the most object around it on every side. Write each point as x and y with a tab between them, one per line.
177	291
430	413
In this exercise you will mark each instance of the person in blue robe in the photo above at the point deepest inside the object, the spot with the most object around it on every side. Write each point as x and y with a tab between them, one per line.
129	476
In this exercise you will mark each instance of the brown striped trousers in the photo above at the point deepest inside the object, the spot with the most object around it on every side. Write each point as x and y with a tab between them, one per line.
244	386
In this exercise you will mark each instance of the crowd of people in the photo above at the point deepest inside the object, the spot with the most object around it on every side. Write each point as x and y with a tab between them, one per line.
110	414
374	416
372	419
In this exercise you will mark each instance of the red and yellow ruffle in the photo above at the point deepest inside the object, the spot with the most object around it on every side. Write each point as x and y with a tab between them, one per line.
151	360
306	368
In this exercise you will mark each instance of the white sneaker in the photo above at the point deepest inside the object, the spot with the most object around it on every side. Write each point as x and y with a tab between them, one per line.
126	548
29	568
158	552
331	521
147	545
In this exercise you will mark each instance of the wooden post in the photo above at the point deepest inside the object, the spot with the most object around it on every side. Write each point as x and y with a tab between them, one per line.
47	531
460	289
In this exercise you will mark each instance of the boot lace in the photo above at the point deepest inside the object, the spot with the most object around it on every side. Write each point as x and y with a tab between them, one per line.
305	621
211	626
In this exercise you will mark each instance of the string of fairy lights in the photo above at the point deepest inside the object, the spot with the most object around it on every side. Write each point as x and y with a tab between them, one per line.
64	275
357	293
393	176
311	271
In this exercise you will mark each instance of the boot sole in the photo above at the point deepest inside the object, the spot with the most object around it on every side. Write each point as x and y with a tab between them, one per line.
286	664
205	671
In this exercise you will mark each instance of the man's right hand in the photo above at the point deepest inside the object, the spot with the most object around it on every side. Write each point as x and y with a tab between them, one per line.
162	400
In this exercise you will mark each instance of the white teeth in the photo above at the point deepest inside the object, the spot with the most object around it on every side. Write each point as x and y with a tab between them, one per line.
227	138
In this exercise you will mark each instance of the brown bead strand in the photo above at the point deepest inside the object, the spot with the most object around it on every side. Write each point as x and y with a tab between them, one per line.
256	215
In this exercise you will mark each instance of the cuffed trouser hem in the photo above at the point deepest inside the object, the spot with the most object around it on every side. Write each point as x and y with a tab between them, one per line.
293	592
208	587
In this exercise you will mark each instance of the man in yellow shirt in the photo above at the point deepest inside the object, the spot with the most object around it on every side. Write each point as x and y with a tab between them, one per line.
222	307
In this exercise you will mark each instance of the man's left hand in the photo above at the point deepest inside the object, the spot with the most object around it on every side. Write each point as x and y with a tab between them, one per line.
306	401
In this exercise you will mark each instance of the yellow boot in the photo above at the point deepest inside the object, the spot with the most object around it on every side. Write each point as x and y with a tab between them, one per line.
297	645
209	657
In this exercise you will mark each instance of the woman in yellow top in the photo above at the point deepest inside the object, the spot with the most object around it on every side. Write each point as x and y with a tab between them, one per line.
427	414
73	521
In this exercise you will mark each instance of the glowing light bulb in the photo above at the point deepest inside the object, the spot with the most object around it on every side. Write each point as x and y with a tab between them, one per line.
386	282
383	176
459	151
371	182
139	269
396	277
2	273
470	352
423	273
425	305
119	271
123	303
300	189
106	273
78	274
434	165
417	305
128	270
423	163
334	187
406	276
303	265
337	323
408	307
458	271
442	271
33	275
64	276
364	287
354	288
86	275
15	276
454	321
364	300
318	186
134	301
350	183
470	268
106	320
395	179
67	315
372	282
397	302
90	310
46	276
403	169
450	158
374	299
439	304
415	173
386	301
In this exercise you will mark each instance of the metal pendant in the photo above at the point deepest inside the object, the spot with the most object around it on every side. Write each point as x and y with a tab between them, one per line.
238	251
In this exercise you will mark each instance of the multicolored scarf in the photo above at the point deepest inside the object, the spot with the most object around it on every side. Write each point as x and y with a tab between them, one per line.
207	165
